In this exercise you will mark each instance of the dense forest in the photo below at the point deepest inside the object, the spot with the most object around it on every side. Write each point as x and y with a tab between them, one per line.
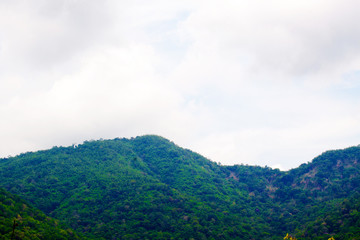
18	220
149	188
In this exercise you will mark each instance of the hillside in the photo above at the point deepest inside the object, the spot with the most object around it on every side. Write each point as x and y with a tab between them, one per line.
149	188
30	223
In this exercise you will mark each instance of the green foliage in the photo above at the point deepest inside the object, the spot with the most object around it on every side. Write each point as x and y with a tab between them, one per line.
29	222
149	188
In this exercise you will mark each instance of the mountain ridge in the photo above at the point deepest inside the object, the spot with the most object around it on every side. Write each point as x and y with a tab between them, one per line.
148	187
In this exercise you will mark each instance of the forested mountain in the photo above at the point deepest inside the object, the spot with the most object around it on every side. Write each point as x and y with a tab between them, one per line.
149	188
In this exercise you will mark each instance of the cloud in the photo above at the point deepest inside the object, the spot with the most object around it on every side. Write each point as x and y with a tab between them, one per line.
286	39
270	83
43	34
114	92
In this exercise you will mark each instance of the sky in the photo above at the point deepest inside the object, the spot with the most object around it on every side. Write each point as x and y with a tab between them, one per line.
271	83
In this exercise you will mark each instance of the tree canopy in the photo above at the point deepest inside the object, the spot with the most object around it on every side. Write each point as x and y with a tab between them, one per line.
149	188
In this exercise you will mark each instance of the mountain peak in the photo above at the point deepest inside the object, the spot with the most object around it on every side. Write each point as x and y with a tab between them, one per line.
147	187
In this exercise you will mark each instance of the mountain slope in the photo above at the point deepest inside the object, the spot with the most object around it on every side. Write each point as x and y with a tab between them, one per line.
29	222
111	189
149	188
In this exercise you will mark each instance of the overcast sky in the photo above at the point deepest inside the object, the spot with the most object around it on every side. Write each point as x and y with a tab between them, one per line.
256	82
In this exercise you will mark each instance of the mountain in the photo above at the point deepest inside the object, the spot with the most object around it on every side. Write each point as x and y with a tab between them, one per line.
149	188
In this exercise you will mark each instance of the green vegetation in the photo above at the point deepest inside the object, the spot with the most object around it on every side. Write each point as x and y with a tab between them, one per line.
149	188
18	220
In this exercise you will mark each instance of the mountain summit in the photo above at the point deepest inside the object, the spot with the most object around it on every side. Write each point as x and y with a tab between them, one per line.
149	188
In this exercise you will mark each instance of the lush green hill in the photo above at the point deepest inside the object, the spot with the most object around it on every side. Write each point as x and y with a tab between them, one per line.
18	220
149	188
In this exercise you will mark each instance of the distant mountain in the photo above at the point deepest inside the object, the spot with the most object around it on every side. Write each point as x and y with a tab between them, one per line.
149	188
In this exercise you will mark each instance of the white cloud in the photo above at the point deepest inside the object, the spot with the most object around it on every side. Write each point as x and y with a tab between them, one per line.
270	83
